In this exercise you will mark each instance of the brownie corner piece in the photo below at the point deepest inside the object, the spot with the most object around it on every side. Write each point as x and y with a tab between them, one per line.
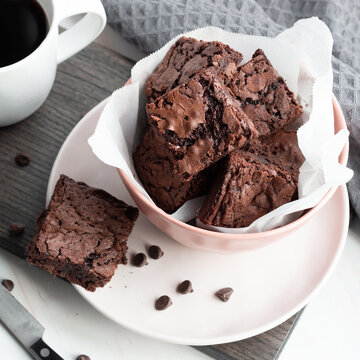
82	235
264	95
247	187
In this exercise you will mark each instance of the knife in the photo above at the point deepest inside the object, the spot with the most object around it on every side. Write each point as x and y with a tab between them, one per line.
24	327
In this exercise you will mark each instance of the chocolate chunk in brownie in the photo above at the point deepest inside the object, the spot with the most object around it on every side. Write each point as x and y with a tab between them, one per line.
82	236
247	187
155	169
185	59
200	122
264	96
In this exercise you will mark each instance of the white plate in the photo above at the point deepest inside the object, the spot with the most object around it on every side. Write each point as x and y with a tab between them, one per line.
270	285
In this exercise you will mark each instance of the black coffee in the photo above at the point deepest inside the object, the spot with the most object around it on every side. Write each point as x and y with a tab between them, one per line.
23	26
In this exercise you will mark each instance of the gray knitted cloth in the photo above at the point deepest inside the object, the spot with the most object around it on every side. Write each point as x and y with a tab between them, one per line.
149	24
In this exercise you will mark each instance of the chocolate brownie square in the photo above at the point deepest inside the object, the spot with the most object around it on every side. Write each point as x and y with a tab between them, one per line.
82	236
283	145
168	190
264	96
185	59
247	187
200	122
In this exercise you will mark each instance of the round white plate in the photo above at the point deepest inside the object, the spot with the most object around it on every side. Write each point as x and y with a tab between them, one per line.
270	285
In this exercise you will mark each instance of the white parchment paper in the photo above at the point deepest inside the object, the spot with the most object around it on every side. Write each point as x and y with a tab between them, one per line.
302	56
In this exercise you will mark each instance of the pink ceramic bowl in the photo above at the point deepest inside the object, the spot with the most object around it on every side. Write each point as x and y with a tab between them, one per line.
206	240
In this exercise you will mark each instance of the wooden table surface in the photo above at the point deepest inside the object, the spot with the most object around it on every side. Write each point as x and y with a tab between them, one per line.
81	83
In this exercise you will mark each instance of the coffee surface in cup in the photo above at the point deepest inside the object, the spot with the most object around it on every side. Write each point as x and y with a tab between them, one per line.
23	26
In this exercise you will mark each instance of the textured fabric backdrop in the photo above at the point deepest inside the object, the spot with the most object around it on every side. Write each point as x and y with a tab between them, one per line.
149	24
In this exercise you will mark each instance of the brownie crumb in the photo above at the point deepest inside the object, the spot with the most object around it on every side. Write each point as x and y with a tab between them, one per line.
83	357
140	260
163	302
185	287
8	284
22	159
155	252
16	229
224	294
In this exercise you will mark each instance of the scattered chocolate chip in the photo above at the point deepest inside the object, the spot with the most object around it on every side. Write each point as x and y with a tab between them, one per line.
185	287
83	357
22	159
224	294
155	252
8	284
163	302
16	229
139	260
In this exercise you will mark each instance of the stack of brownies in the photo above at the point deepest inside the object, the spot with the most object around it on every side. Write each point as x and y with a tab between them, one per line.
215	127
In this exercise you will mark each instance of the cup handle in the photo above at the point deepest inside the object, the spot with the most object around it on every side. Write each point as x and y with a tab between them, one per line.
83	32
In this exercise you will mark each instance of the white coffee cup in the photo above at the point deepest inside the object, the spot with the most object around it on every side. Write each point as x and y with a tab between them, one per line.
25	85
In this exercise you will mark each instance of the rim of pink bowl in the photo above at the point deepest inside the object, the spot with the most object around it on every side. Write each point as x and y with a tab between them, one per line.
278	231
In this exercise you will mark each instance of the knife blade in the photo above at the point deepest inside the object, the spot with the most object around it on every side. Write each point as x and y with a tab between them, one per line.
24	327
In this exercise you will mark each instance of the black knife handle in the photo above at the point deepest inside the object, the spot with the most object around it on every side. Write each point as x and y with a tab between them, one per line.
41	351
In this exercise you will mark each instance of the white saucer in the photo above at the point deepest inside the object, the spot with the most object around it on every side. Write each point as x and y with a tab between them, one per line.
270	285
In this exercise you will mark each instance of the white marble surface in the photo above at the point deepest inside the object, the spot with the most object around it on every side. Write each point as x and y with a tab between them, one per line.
328	329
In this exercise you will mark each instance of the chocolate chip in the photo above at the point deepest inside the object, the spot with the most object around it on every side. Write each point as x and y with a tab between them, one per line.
163	302
16	229
185	287
224	294
22	159
155	252
83	357
139	260
8	284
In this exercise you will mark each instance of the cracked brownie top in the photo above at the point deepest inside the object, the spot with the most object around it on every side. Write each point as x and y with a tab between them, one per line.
82	235
247	187
200	122
264	96
186	58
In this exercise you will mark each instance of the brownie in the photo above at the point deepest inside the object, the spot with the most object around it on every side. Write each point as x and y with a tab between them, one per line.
82	236
247	187
284	146
200	122
168	190
185	59
264	96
